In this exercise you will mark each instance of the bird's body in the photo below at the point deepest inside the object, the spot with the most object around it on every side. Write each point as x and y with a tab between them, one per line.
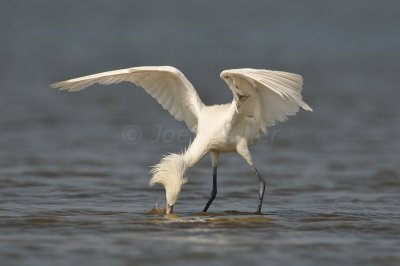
261	98
219	130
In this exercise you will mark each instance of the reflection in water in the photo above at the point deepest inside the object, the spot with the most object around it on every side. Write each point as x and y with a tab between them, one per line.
226	217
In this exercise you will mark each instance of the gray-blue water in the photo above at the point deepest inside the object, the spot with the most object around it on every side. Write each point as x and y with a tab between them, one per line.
74	176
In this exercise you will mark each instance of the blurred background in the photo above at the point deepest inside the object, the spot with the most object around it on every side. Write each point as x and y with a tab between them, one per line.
74	178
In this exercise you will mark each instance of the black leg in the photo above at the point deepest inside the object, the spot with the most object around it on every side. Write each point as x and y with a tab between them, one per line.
261	187
214	189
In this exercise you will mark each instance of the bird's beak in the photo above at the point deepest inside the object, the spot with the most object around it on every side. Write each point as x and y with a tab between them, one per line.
169	208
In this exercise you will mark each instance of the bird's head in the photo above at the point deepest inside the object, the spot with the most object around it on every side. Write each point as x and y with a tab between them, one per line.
170	172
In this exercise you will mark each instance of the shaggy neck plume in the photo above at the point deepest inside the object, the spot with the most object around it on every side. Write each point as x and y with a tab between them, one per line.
170	172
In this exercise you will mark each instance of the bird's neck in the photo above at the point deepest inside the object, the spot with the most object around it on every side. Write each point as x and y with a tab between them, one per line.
196	150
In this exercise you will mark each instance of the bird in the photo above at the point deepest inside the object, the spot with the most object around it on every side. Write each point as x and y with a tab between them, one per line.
261	98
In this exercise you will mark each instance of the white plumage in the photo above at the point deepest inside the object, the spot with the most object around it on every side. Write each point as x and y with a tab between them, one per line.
166	84
260	99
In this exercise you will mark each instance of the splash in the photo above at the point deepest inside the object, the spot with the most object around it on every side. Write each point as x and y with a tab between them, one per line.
157	209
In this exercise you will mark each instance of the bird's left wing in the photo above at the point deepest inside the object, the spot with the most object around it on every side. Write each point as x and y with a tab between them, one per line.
166	84
268	96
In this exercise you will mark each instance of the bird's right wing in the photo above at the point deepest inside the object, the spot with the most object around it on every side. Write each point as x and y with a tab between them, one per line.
269	96
166	84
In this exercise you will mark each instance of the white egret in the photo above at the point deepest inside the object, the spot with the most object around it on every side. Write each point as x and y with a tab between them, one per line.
260	99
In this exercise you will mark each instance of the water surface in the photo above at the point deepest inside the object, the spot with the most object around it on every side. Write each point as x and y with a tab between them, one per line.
74	178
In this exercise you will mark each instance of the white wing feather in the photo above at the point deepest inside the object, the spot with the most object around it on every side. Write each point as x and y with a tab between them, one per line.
275	94
166	84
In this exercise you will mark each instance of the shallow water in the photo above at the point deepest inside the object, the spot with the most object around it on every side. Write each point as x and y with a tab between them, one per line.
74	167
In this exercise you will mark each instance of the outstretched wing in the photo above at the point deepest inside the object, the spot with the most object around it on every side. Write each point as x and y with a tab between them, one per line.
166	84
268	96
